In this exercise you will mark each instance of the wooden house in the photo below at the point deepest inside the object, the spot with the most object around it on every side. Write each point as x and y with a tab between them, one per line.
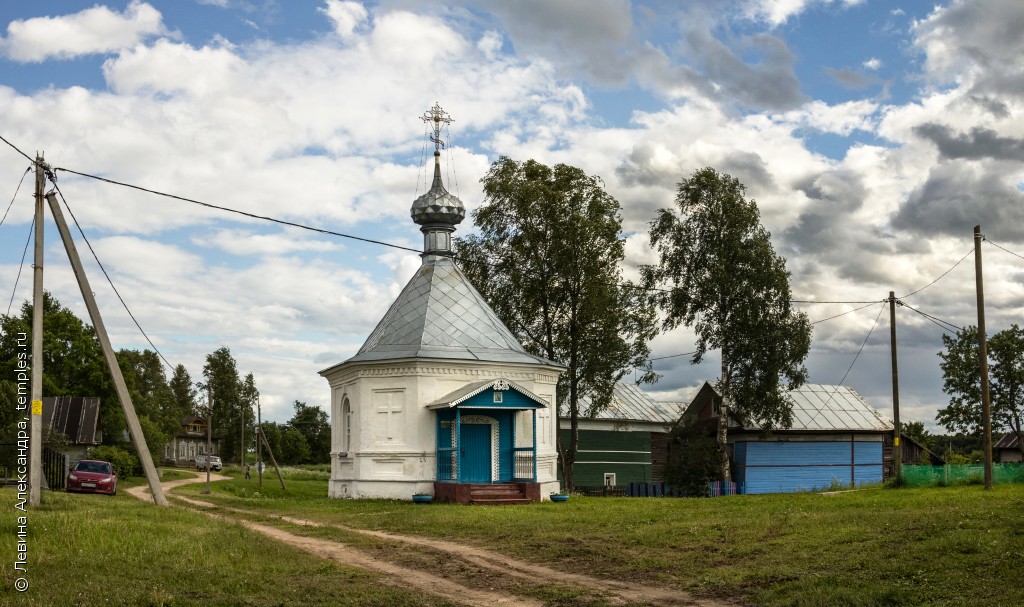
1007	450
623	443
189	442
837	439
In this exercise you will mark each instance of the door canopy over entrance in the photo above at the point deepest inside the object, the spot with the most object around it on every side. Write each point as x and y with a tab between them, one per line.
476	433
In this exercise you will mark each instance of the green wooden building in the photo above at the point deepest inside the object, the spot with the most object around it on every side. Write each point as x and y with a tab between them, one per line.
625	443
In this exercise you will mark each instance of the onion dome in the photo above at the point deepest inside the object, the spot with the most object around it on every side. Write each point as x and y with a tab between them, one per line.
438	206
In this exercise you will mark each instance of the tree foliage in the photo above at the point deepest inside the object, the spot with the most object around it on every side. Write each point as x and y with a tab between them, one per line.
729	285
547	261
692	461
313	424
232	407
961	372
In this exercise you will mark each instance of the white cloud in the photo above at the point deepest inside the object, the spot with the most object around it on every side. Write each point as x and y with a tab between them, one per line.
91	31
347	17
873	64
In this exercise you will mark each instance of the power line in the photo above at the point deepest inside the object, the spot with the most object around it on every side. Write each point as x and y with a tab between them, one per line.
1002	248
844	313
832	395
935	320
109	281
864	343
31	227
966	255
18	189
16	149
672	356
244	213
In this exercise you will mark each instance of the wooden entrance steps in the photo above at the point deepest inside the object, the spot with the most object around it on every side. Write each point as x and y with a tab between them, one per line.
498	494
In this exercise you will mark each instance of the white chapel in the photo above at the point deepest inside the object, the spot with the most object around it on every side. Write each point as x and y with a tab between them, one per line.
442	399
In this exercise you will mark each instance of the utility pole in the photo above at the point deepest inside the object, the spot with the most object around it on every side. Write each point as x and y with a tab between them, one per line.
897	450
138	438
986	402
259	446
209	434
241	446
273	460
35	450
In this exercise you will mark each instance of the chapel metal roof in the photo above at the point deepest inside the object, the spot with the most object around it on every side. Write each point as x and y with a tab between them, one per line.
439	314
630	403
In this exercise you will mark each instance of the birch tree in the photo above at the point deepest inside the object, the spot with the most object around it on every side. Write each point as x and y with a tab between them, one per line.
723	279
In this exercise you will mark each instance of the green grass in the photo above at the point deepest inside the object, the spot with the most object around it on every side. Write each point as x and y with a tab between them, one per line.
89	550
941	546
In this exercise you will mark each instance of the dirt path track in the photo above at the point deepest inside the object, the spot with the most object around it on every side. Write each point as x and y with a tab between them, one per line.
612	592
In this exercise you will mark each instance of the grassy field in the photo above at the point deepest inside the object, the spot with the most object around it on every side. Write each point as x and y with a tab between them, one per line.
942	546
87	550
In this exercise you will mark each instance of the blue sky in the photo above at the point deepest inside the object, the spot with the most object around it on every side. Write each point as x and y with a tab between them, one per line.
874	136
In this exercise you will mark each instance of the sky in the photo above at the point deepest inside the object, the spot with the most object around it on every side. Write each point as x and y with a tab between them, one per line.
873	135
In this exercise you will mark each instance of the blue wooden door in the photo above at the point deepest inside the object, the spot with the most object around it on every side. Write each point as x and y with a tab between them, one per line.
476	453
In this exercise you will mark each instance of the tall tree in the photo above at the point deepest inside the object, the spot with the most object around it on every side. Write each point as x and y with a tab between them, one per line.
547	261
249	394
730	286
312	423
183	393
221	373
961	371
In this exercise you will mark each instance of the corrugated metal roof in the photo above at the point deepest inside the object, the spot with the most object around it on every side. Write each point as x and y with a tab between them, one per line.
76	416
439	314
1008	441
630	403
827	407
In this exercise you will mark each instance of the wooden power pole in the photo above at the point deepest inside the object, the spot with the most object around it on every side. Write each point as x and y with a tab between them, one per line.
259	445
138	438
986	402
897	450
273	460
35	449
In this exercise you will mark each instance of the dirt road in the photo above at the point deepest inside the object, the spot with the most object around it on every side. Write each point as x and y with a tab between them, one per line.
441	567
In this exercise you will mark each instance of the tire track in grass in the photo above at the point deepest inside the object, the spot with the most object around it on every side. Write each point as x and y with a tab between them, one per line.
613	592
396	575
616	592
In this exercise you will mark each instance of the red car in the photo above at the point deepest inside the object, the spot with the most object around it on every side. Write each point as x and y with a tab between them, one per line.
93	476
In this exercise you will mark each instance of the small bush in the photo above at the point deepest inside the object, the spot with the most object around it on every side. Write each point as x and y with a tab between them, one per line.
124	463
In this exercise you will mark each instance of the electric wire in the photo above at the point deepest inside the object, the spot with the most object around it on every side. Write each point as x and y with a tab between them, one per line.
832	395
941	276
1002	248
671	356
845	313
936	320
24	253
109	281
18	150
16	190
230	210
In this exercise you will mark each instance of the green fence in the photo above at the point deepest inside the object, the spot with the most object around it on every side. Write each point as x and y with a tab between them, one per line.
945	476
